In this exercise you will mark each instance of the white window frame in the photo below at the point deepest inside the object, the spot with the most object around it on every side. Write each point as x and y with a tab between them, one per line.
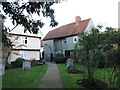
24	38
23	54
75	38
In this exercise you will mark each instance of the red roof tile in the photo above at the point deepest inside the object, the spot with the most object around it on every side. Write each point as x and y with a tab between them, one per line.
67	30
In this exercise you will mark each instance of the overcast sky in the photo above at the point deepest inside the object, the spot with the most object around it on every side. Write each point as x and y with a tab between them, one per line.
103	12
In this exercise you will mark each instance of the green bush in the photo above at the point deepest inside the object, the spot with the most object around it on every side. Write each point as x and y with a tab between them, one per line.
59	58
17	63
37	62
8	66
97	58
42	61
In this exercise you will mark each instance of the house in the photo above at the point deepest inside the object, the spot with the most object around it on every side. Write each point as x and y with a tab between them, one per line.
26	45
63	39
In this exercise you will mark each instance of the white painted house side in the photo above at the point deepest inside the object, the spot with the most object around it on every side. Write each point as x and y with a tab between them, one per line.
26	45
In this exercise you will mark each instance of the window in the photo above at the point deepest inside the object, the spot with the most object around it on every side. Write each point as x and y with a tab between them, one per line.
64	41
23	54
24	40
75	39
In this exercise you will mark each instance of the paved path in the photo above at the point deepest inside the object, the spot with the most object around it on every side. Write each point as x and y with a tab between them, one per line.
51	78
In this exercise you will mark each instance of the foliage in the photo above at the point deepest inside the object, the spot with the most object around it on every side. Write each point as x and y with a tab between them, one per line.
59	58
42	61
98	58
95	57
5	40
37	62
89	43
16	78
90	40
17	63
16	12
110	38
74	59
70	80
8	66
114	64
101	48
111	46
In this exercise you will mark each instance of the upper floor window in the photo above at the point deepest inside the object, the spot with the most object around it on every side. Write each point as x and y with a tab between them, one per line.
25	40
64	41
75	39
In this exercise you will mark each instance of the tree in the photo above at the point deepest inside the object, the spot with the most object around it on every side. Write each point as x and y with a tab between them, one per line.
105	46
21	14
90	46
111	41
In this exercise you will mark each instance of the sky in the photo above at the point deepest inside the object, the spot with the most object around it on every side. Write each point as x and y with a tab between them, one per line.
103	12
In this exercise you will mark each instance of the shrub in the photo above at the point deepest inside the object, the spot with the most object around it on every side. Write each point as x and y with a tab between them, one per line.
59	58
37	62
42	61
81	59
34	63
98	58
17	63
8	66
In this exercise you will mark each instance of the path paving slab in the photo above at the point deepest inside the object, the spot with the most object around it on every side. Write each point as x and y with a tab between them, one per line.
51	78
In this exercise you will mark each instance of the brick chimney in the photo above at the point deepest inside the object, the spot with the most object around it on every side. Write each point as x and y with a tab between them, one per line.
78	19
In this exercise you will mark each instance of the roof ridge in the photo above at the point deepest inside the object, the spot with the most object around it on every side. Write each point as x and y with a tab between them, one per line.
67	30
68	24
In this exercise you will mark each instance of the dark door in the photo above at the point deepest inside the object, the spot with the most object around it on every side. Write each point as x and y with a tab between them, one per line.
67	53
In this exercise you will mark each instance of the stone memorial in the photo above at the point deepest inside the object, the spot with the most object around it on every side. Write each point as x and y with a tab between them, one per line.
2	67
26	65
69	64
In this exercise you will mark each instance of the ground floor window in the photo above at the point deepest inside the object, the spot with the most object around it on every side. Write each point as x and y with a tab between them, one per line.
23	54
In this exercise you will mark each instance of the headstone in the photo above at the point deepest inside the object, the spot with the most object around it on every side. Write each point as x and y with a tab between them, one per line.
69	63
2	67
26	65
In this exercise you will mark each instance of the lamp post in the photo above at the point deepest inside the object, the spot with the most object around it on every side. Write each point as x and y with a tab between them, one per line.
51	55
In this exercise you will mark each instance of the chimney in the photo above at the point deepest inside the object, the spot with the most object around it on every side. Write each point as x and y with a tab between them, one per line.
78	19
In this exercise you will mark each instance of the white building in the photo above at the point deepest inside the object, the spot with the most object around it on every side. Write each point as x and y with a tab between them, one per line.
26	45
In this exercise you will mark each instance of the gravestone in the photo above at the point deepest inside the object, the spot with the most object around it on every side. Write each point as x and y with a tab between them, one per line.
2	67
69	64
26	65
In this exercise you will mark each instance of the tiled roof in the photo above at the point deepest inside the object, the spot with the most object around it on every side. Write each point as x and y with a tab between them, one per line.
67	30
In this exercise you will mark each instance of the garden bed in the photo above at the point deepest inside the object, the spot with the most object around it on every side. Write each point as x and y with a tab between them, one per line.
76	72
79	81
92	83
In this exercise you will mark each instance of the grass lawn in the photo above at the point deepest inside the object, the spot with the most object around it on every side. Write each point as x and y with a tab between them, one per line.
70	80
16	78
